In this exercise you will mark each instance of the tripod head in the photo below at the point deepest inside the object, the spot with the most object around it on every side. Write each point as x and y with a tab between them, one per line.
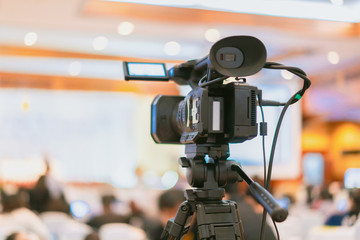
208	168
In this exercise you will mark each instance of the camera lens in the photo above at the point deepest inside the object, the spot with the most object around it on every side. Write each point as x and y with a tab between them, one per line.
179	117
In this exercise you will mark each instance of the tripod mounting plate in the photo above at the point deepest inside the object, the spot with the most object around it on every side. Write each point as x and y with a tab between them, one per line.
193	195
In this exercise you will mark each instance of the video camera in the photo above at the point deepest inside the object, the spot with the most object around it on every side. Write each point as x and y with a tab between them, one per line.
212	112
212	115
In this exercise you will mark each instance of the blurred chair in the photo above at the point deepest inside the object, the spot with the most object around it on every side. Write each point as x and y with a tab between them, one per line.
299	223
20	235
290	229
332	233
7	229
14	213
336	232
63	227
309	220
123	231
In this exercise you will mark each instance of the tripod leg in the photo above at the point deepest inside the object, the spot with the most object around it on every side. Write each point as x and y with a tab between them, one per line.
176	227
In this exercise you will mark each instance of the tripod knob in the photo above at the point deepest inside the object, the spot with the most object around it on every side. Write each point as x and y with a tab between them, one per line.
195	171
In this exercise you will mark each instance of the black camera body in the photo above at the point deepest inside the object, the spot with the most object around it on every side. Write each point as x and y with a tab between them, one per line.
216	114
212	112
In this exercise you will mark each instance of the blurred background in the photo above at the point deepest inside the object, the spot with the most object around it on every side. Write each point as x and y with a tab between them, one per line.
66	111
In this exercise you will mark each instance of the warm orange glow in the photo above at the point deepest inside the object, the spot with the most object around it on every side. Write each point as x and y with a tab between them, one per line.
39	52
8	80
333	140
315	141
345	137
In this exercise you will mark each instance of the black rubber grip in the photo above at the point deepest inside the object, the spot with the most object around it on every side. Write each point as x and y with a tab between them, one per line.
271	205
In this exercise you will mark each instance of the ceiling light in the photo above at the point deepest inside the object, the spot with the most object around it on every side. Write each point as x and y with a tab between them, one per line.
100	43
172	48
169	179
337	2
25	106
212	35
320	9
125	28
151	178
286	74
30	38
333	57
74	68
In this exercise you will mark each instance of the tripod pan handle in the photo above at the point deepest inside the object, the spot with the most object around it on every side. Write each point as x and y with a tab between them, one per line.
271	205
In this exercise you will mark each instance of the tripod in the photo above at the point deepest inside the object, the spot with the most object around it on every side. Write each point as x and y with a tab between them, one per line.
216	219
208	171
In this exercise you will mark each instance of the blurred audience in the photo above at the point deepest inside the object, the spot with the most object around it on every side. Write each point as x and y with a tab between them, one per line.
16	216
168	204
17	236
349	217
108	215
92	236
139	219
47	194
63	226
51	219
22	236
323	202
116	231
250	213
